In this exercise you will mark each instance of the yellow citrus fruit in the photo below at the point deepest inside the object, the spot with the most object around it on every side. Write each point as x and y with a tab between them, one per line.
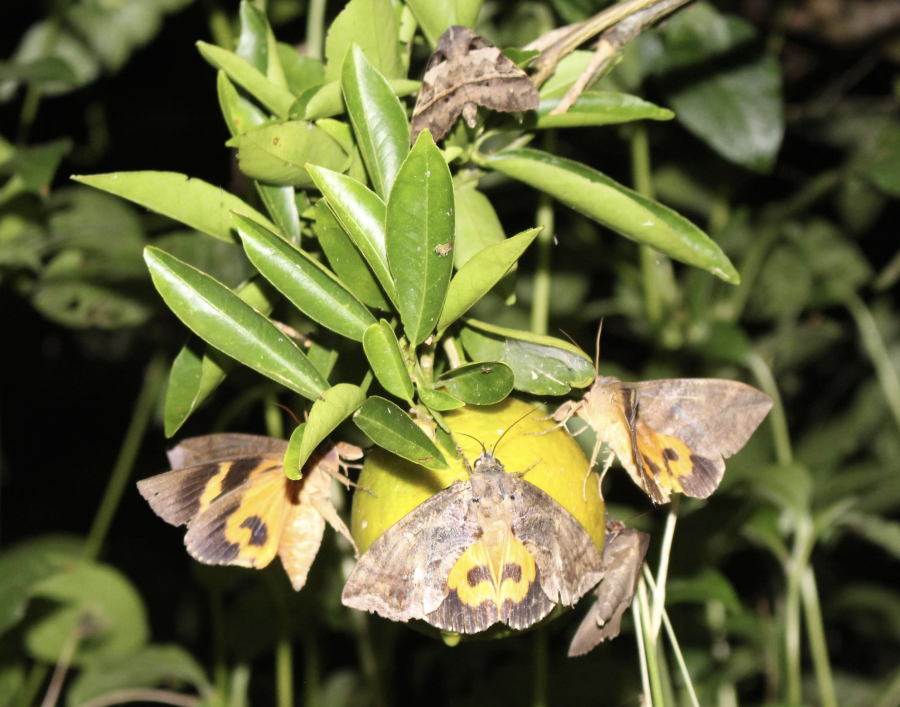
559	469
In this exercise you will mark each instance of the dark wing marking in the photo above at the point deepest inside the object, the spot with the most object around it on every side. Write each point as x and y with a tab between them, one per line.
197	450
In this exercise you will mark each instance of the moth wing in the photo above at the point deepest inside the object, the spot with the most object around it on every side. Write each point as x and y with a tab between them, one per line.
197	450
304	527
498	84
566	557
403	575
623	556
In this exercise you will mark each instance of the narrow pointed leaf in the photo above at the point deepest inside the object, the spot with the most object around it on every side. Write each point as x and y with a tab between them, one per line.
221	318
480	274
419	231
372	24
625	211
595	108
480	383
386	360
330	409
327	100
436	16
379	121
392	429
439	400
312	288
192	201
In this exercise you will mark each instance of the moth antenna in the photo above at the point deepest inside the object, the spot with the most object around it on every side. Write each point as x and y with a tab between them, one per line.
475	438
289	412
597	349
566	334
497	443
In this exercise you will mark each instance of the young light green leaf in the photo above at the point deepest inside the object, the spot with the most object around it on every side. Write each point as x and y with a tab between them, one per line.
221	318
346	260
279	153
252	44
483	383
361	214
594	108
271	95
379	121
439	400
372	24
436	16
302	72
625	211
330	409
419	229
480	274
477	223
192	201
386	360
391	428
543	365
327	100
312	288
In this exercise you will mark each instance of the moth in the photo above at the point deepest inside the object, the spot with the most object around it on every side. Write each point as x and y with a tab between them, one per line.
494	548
670	435
467	71
623	556
241	509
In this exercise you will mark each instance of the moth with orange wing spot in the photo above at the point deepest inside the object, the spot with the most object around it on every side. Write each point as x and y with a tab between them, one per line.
241	509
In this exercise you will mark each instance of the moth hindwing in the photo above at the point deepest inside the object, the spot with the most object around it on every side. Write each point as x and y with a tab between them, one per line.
491	549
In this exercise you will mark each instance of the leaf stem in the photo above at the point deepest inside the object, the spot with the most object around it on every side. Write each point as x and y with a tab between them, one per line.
659	592
815	629
780	433
647	700
543	272
315	29
284	670
652	655
796	566
143	411
541	658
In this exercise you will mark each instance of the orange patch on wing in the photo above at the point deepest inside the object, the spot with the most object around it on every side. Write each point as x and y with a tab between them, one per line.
480	575
667	460
257	524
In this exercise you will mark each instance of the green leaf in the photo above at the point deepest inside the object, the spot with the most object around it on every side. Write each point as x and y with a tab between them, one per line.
191	201
594	108
708	585
240	114
312	288
39	71
302	72
882	167
361	213
279	153
877	530
477	224
252	44
148	667
480	274
327	100
33	168
542	365
222	319
386	360
346	260
625	211
97	602
379	121
437	16
439	400
788	486
330	409
392	429
81	304
480	383
271	95
736	111
198	369
419	224
372	25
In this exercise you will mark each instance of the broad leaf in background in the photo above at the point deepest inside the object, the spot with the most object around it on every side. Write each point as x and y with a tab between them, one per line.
31	169
436	16
219	317
477	223
542	365
625	211
439	400
389	427
483	383
386	360
594	108
883	166
372	24
419	229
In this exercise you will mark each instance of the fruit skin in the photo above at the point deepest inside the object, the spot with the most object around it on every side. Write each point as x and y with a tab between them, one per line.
399	485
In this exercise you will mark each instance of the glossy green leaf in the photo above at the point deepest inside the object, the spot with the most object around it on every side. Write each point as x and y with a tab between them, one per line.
419	225
392	429
240	114
96	600
271	95
439	400
361	214
477	223
379	121
436	16
312	288
279	153
483	383
302	72
346	260
252	44
542	365
386	360
327	100
222	319
342	133
331	408
480	274
372	25
595	108
191	201
625	211
198	369
567	72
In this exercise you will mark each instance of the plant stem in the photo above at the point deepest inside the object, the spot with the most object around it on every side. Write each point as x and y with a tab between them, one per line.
659	591
367	658
543	271
642	649
652	656
62	666
643	184
878	353
780	433
310	670
541	658
315	29
284	670
220	665
272	414
794	570
815	629
143	411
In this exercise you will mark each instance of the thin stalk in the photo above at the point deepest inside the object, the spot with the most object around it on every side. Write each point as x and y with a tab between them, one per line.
62	666
315	29
878	353
219	26
815	629
643	184
642	651
796	567
543	273
311	696
659	590
220	666
541	659
367	380
140	419
780	433
272	414
284	671
652	657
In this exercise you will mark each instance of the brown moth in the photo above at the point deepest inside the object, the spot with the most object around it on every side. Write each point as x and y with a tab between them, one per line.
670	435
241	509
464	72
494	548
623	556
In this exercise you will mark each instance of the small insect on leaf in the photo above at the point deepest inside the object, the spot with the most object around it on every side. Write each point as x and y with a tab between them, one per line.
443	249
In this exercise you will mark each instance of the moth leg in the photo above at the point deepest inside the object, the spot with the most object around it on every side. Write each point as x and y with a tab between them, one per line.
343	478
459	453
470	114
322	503
561	415
594	455
520	474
